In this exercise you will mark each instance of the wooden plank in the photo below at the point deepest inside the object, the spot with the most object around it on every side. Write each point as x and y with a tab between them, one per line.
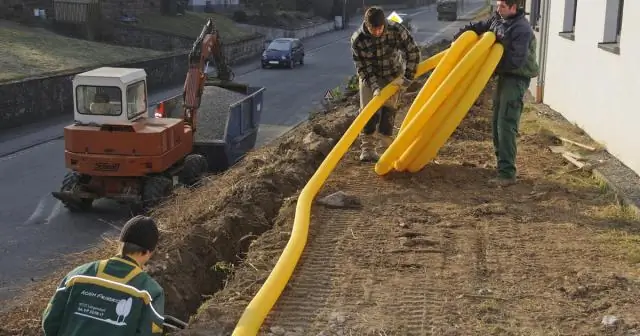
557	149
575	156
577	144
573	160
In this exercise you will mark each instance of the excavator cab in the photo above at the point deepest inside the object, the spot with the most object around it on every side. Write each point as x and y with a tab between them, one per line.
110	96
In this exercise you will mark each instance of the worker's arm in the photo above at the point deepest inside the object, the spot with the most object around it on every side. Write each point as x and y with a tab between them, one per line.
153	315
52	315
517	48
408	45
364	68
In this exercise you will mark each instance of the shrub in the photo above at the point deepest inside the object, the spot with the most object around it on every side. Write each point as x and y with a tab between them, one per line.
240	16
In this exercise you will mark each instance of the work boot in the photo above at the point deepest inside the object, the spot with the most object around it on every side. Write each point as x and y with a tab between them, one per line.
369	155
501	181
367	150
383	142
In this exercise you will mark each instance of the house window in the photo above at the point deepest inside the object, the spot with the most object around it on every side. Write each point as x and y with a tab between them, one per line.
612	26
619	20
569	23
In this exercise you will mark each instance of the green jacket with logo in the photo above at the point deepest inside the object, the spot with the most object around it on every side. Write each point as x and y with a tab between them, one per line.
112	297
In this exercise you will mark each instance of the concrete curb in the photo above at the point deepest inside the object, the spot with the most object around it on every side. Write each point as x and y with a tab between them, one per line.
617	176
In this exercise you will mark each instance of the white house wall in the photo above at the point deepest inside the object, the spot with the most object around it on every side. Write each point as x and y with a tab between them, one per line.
597	89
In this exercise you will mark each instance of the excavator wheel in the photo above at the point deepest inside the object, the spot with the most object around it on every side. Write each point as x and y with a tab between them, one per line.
195	166
69	183
155	189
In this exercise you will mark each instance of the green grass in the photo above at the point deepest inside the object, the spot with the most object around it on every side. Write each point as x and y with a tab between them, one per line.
190	25
27	52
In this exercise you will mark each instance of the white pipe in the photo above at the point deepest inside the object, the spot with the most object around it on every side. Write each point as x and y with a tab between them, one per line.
544	46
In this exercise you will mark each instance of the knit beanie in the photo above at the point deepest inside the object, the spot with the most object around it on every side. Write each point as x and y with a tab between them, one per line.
142	231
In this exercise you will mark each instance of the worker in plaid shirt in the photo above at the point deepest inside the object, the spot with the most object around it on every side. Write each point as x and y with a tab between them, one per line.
384	52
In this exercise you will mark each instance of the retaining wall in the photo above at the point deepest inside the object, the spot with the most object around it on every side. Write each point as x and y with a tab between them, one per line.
30	100
130	36
301	33
34	99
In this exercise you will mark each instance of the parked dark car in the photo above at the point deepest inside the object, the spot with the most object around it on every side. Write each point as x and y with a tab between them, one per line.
283	52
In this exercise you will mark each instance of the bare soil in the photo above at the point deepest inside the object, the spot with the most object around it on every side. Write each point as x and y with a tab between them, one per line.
441	252
27	52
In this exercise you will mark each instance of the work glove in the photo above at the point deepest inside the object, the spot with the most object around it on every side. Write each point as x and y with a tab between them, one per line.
402	82
455	37
376	92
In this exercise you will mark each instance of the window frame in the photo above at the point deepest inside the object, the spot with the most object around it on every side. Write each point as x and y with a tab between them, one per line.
612	26
146	102
570	18
93	114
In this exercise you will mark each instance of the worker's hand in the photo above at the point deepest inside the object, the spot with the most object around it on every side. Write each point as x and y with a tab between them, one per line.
376	92
402	82
455	37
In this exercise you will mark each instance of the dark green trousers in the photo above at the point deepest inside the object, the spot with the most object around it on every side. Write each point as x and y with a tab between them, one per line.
507	108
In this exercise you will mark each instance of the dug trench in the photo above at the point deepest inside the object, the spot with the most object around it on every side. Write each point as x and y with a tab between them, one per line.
205	232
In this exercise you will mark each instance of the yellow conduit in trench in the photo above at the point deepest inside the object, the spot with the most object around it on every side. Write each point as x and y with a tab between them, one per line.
257	310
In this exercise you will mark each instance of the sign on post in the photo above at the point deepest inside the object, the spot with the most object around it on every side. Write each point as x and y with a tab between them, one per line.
328	96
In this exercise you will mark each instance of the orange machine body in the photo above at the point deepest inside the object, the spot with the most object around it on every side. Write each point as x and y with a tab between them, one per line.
135	149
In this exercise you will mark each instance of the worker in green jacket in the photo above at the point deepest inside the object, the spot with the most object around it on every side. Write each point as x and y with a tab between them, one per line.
112	297
514	72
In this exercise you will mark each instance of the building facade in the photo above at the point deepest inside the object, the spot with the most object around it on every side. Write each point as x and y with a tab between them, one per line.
589	58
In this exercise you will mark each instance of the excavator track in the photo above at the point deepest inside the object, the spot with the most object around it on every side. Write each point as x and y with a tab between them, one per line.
361	276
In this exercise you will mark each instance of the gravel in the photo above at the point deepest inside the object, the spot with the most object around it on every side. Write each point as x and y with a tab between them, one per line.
211	119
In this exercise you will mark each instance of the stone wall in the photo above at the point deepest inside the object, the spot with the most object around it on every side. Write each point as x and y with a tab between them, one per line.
301	33
126	35
36	99
115	8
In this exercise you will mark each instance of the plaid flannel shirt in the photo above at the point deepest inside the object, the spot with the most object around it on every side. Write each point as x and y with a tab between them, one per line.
376	57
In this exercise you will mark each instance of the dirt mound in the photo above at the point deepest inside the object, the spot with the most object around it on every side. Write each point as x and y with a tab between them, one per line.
207	230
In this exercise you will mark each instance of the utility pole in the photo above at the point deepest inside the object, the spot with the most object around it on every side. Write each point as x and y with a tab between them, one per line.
344	14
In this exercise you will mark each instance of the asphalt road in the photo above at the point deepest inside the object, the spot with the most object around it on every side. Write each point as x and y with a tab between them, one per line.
35	230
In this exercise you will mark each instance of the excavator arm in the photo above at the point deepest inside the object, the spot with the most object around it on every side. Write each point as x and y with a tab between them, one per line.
206	48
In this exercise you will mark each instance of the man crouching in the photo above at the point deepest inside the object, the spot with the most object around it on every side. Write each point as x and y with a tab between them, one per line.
113	296
375	48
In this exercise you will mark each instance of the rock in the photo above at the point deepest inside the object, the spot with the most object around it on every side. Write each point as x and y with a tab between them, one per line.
338	318
278	330
485	291
316	143
612	322
295	332
340	200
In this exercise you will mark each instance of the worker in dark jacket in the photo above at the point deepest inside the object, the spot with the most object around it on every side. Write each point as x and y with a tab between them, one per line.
384	52
514	71
112	297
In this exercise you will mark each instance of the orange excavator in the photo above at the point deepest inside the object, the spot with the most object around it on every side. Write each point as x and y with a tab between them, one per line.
116	149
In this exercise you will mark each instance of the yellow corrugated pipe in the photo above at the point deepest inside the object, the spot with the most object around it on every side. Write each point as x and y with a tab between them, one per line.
414	127
454	117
